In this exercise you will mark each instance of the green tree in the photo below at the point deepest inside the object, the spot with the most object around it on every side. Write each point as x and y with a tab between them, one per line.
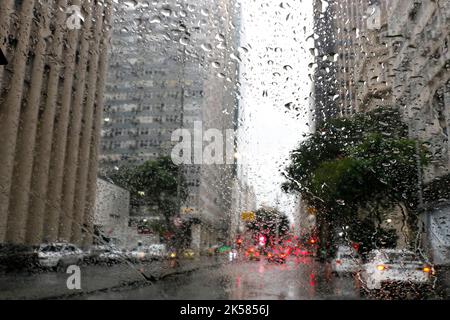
266	222
157	184
361	163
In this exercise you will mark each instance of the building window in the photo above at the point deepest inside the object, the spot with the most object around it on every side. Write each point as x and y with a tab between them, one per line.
415	11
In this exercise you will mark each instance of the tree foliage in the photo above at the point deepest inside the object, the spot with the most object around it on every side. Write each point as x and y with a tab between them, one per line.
266	222
366	161
157	184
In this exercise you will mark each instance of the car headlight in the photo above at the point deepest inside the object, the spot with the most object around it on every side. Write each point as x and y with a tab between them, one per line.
381	267
426	269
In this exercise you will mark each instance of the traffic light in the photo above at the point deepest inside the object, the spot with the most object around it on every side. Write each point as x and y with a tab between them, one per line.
262	240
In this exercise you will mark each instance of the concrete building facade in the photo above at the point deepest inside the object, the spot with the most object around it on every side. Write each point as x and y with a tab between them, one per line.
51	102
174	70
244	200
112	213
324	73
395	53
304	218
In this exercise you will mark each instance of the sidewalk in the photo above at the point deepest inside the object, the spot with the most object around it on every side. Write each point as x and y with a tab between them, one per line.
52	285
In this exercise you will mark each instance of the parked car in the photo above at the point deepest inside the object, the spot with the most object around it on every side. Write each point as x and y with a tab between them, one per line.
147	253
137	254
188	254
396	271
15	257
157	251
59	255
105	254
111	255
347	261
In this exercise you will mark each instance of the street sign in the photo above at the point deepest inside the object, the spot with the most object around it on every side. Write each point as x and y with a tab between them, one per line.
248	216
187	210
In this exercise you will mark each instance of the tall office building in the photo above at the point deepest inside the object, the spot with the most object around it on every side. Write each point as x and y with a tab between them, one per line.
171	68
325	86
379	64
51	103
352	57
396	53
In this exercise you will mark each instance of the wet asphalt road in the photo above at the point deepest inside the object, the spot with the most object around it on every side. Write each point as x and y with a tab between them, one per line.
298	279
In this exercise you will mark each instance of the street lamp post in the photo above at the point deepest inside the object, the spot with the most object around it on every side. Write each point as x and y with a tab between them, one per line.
422	234
277	230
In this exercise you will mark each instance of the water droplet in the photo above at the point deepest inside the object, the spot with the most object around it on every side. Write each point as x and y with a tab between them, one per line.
207	47
220	37
235	57
155	19
184	41
167	12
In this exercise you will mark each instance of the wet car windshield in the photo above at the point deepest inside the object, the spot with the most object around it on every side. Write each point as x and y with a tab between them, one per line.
51	248
402	257
224	149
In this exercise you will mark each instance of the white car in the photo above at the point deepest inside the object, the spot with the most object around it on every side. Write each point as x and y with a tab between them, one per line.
105	254
59	255
145	253
157	251
347	261
111	255
393	268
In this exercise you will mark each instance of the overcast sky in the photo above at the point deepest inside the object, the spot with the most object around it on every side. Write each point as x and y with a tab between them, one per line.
274	73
